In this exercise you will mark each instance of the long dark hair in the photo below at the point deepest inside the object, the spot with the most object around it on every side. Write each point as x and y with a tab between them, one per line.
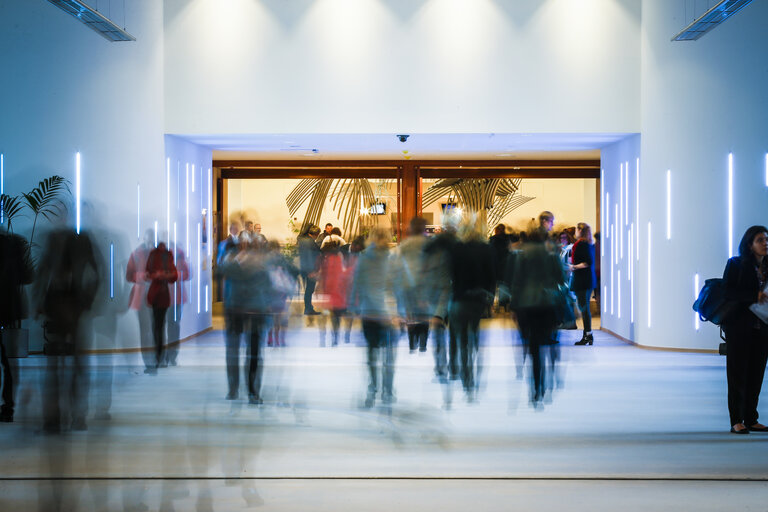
745	246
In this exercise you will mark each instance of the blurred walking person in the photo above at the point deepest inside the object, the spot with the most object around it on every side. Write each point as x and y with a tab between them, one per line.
15	271
66	285
136	273
409	272
473	286
374	295
309	255
161	272
534	285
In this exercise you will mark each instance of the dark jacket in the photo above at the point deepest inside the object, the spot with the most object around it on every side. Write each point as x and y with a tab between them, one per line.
742	287
472	274
161	270
15	271
500	246
309	254
583	278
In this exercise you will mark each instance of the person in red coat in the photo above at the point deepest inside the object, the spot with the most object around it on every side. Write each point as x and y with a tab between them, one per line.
135	272
161	271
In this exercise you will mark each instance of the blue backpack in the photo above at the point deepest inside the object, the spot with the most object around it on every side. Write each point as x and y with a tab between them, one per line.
711	305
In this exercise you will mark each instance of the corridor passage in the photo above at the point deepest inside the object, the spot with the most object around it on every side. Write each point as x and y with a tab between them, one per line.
623	429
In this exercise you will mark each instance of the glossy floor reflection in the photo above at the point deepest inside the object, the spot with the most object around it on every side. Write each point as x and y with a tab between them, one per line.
172	440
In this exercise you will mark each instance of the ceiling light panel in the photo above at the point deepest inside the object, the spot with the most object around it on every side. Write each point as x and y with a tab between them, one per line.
93	19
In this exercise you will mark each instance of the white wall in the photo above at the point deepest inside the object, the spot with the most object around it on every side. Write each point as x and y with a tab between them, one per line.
379	66
623	241
187	219
66	89
700	101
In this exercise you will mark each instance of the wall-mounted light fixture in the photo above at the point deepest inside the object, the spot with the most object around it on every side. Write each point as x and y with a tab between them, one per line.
720	12
93	19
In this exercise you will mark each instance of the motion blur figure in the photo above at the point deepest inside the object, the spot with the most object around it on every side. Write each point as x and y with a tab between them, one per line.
136	272
161	272
15	271
436	267
473	288
374	295
409	272
533	283
247	297
179	297
66	285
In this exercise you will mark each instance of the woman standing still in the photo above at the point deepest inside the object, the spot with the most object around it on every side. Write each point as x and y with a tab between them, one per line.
583	278
746	336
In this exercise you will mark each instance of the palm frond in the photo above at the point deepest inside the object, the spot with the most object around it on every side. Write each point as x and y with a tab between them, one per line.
41	199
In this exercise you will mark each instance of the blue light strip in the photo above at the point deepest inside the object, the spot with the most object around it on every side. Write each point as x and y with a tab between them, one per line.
669	204
696	296
186	196
613	259
77	192
199	241
608	215
637	209
649	275
613	234
2	186
626	196
631	279
618	280
730	205
176	284
621	206
138	211
206	298
604	207
210	218
111	270
155	233
167	195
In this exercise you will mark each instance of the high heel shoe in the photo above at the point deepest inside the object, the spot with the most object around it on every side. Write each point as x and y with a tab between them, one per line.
585	340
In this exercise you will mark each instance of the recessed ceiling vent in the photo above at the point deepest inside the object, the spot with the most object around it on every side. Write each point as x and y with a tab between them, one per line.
93	19
710	19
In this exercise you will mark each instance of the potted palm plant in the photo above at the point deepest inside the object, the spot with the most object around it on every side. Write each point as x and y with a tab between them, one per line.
43	200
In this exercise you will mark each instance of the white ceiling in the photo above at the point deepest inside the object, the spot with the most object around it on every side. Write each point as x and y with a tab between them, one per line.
418	146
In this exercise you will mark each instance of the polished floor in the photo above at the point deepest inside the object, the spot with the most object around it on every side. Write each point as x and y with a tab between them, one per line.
622	429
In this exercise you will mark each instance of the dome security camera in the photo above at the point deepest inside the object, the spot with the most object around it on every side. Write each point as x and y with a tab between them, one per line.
402	138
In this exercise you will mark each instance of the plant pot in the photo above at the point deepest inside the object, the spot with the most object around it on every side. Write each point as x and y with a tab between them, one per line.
16	342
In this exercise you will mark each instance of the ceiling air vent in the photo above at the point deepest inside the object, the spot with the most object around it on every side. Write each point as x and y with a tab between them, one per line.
710	19
93	19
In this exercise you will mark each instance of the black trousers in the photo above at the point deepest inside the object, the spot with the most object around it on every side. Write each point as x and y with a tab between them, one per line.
309	289
253	326
381	341
464	329
418	333
583	296
536	330
745	365
7	409
158	328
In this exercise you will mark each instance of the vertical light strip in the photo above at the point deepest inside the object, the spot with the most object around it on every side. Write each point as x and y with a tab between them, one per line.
730	205
155	233
649	275
626	196
199	239
2	186
206	298
604	208
637	210
178	183
176	284
168	195
605	295
186	200
696	296
669	204
631	279
618	293
613	259
613	233
112	270
138	211
629	251
210	219
621	192
193	177
77	192
608	215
